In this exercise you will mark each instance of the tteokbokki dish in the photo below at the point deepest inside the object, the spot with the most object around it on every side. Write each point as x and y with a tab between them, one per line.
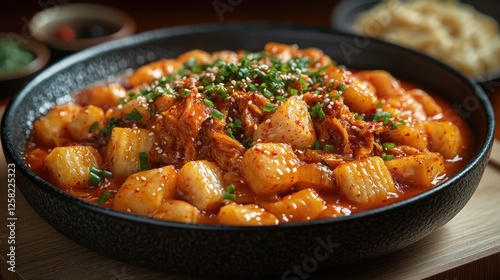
249	138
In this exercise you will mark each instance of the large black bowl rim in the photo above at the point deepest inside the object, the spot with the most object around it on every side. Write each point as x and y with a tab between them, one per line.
192	29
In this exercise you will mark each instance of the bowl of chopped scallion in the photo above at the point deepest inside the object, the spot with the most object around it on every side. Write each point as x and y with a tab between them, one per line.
21	59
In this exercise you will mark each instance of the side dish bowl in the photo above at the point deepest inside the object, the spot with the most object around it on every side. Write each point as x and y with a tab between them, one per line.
17	48
72	27
233	250
344	15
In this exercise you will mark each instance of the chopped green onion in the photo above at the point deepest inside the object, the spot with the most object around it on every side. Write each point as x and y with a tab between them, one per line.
94	178
95	170
244	63
93	127
293	91
317	145
170	91
268	107
381	116
321	113
237	123
106	131
135	115
252	87
359	117
281	98
185	92
106	174
229	132
222	93
233	68
230	188
341	88
317	72
152	108
154	94
328	147
335	96
388	145
210	88
317	111
143	161
267	93
217	114
208	102
96	174
396	124
302	83
103	197
247	143
230	192
385	156
379	105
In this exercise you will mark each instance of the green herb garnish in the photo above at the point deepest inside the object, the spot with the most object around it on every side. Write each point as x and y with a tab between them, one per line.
230	192
328	147
94	178
208	102
388	145
217	114
134	115
13	57
268	107
341	88
385	156
397	124
317	145
103	197
317	111
93	127
143	161
106	131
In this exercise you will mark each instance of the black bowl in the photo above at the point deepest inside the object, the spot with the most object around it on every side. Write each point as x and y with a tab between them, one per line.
233	250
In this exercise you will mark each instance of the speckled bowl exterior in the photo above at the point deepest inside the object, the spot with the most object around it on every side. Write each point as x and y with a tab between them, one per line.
229	250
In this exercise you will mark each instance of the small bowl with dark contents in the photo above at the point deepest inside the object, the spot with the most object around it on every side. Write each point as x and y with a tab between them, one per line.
73	27
20	60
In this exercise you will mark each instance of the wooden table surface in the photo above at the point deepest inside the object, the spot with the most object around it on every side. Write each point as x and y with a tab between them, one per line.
468	247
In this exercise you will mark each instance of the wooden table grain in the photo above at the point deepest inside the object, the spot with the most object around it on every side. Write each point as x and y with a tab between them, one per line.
471	237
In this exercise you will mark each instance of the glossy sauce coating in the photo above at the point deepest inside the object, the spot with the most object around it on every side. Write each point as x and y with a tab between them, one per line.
278	136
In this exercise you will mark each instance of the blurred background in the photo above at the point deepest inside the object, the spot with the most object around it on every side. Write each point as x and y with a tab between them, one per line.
152	14
145	15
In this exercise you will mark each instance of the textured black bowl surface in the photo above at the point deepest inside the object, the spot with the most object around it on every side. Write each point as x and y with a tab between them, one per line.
230	250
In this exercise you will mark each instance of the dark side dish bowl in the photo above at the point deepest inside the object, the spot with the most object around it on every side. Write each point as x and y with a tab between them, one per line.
215	250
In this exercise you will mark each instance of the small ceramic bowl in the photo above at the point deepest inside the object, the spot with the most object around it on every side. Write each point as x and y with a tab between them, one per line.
37	55
73	27
344	14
